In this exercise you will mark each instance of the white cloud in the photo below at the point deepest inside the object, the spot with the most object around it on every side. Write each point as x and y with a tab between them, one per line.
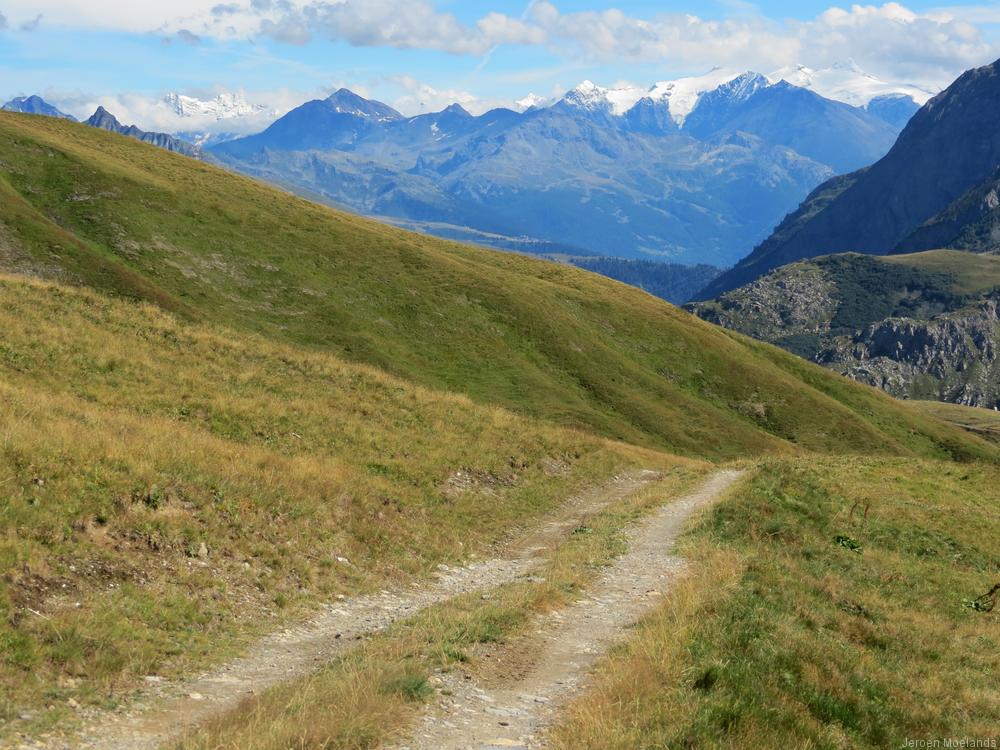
978	14
188	37
668	38
894	42
418	98
153	113
889	40
501	29
31	24
390	23
126	15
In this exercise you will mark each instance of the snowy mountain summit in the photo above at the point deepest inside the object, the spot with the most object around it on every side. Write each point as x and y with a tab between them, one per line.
847	82
679	96
842	82
531	100
225	106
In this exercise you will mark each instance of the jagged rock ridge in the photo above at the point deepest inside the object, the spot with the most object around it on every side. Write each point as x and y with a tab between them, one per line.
106	121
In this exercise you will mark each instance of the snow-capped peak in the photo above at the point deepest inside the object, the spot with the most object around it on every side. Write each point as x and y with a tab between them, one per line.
588	95
617	101
531	100
744	86
847	82
682	95
223	107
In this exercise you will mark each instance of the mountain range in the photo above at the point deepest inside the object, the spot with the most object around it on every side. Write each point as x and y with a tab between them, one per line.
691	171
923	321
936	187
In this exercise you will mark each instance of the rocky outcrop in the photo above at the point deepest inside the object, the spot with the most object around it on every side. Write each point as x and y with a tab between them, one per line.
912	332
952	357
794	300
104	120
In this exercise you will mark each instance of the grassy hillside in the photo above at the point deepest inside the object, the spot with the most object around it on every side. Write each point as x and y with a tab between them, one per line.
982	422
833	606
549	341
228	404
967	273
169	490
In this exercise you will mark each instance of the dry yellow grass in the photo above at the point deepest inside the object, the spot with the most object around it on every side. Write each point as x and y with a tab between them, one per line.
191	481
544	340
190	489
373	693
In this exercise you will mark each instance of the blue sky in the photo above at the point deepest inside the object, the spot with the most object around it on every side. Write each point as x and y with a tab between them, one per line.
422	54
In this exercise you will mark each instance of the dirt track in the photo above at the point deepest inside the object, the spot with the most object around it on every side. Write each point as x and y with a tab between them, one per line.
162	712
554	661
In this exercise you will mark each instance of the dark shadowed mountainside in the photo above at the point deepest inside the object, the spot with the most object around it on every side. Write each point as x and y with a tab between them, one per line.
949	152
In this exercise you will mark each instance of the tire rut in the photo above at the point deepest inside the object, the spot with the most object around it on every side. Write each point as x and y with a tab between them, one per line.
162	713
566	644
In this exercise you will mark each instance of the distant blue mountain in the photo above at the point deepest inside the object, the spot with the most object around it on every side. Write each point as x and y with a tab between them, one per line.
895	109
336	122
106	121
35	105
677	173
937	187
832	133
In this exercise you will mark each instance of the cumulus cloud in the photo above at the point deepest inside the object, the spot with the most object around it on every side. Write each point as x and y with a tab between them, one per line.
32	24
985	14
290	28
418	97
887	39
188	37
154	113
890	39
673	38
3	21
225	9
389	23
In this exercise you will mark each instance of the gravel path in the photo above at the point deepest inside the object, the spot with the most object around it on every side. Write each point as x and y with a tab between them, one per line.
566	644
163	711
